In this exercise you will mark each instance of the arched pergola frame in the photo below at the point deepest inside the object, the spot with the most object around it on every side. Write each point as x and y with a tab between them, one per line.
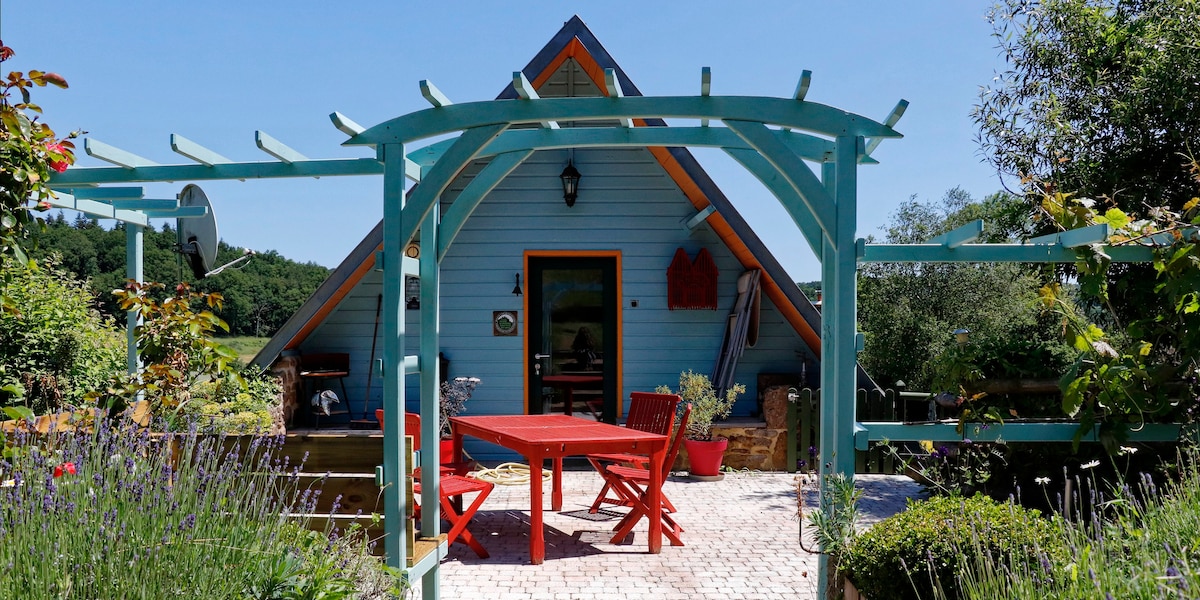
773	138
776	139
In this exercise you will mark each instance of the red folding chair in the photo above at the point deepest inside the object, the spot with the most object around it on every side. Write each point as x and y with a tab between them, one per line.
649	412
450	492
630	484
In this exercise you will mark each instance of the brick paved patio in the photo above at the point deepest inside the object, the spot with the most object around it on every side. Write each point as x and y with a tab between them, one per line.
741	535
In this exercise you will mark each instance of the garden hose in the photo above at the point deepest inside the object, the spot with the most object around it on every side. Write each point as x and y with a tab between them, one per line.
509	474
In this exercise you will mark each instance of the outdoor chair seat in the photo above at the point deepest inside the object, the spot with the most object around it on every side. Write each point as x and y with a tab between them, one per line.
451	490
630	484
649	412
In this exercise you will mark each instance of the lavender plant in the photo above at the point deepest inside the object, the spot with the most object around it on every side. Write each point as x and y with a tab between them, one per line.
1139	542
120	513
455	394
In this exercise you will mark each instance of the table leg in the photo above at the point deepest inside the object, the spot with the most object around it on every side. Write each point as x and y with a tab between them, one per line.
568	400
537	541
654	498
556	487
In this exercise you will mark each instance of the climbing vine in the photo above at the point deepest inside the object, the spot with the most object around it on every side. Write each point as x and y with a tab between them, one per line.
1146	368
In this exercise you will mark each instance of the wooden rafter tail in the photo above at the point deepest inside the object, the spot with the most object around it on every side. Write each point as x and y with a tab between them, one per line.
185	147
433	95
114	155
276	148
803	85
891	120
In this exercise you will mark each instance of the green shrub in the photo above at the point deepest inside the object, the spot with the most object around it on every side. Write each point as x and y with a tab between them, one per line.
234	405
54	346
912	553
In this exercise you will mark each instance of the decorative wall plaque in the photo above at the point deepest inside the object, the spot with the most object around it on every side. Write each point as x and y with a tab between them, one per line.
692	284
504	322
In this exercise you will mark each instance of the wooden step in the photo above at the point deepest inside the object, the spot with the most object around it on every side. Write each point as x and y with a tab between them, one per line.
335	452
357	490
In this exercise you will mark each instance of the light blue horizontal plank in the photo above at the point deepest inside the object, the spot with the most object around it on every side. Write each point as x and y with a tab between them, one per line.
108	193
146	204
992	253
248	170
101	210
1010	432
805	116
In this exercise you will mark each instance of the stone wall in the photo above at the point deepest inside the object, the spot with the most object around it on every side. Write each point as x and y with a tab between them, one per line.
287	369
758	445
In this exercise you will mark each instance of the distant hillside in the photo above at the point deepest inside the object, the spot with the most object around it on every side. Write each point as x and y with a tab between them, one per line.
260	294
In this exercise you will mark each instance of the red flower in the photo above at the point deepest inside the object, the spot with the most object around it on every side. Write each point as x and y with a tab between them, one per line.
58	165
45	205
5	52
55	147
67	467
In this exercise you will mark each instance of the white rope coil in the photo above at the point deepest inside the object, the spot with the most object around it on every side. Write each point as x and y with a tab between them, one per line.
509	474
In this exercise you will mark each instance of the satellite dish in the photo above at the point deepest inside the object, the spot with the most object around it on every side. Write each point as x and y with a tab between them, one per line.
197	236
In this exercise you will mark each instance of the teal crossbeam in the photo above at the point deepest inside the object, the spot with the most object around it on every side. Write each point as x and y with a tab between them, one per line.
99	209
144	204
108	193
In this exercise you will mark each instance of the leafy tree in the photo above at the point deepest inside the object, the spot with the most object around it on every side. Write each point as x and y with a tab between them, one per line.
908	310
260	294
1098	99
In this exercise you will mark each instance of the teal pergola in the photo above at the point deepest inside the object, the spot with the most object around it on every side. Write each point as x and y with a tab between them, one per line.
776	139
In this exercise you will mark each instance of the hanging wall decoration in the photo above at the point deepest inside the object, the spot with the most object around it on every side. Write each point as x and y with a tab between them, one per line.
692	284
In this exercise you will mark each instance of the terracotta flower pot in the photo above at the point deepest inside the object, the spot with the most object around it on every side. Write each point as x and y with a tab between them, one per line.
447	450
705	457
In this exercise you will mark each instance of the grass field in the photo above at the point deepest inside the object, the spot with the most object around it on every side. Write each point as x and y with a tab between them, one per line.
246	346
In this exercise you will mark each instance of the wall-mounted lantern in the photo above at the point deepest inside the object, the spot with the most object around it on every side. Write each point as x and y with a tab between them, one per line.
517	288
570	183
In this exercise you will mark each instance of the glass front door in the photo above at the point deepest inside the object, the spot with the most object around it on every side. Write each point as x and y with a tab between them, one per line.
573	336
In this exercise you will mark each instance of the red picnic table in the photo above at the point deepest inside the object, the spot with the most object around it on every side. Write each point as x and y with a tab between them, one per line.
538	437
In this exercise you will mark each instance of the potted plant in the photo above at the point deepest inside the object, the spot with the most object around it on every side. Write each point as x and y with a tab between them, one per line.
455	394
705	453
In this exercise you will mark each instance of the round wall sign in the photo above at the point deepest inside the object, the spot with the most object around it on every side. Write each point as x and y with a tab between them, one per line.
504	322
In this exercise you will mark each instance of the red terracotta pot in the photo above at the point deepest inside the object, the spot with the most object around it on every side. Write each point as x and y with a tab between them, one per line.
447	450
704	457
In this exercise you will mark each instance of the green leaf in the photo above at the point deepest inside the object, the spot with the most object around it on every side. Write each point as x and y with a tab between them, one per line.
1116	218
1073	395
17	413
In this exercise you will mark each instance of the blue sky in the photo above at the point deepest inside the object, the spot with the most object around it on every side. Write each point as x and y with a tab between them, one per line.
216	71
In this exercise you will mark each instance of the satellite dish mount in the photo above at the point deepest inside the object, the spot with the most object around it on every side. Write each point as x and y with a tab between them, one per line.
198	238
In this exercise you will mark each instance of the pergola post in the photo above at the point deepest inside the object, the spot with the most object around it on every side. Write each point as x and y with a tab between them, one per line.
133	270
431	516
838	329
394	458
